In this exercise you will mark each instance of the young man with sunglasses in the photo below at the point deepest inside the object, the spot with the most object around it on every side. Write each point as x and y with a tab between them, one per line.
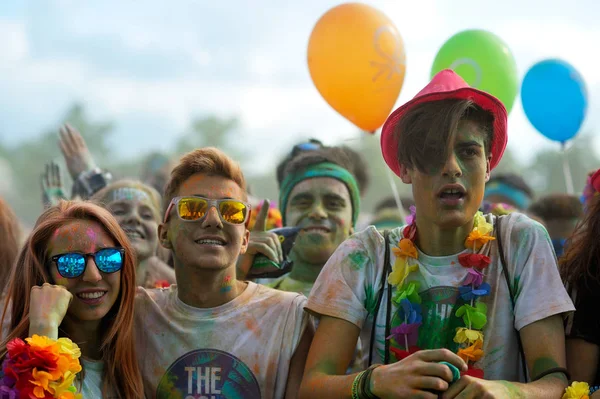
212	335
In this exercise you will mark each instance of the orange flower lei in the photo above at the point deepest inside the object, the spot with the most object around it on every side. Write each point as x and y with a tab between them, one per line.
473	314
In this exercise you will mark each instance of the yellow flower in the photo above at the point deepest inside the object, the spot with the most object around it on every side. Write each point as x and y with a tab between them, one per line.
476	240
58	388
42	342
405	248
465	335
69	347
472	353
481	224
400	271
577	390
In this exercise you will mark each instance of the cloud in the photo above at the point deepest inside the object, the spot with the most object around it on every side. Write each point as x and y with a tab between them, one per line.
14	45
153	68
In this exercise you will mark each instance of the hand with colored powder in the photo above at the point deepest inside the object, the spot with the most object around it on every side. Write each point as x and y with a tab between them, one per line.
47	309
52	186
75	150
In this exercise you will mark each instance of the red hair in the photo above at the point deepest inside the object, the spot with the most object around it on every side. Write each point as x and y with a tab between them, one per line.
10	235
121	372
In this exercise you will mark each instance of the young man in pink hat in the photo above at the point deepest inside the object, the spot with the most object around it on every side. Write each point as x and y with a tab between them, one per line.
457	303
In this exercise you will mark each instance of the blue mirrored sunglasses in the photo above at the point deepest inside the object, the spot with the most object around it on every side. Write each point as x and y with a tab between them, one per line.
73	264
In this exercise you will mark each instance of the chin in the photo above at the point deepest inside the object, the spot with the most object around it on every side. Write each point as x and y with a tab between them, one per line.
453	219
321	256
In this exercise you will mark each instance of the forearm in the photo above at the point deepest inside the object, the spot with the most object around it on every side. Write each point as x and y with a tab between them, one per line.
44	329
551	386
321	385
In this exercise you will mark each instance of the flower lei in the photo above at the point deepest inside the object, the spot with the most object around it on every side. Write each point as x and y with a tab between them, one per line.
579	390
40	367
408	300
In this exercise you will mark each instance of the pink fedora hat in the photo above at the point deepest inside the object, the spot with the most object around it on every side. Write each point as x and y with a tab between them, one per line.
446	85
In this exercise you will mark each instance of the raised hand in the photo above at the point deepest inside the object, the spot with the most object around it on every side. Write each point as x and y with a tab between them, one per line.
75	150
47	308
261	242
52	186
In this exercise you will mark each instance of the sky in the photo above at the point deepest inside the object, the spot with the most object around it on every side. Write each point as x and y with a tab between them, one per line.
152	66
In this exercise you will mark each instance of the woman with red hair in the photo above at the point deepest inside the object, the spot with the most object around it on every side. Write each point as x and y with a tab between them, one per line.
75	278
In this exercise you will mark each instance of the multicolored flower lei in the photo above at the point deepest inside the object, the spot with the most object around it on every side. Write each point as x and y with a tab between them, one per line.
40	367
408	300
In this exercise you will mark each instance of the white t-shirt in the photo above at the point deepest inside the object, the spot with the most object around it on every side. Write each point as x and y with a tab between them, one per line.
349	285
240	349
92	383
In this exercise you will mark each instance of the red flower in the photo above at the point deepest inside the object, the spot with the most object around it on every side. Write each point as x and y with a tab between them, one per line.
162	284
474	260
410	232
401	354
473	372
17	347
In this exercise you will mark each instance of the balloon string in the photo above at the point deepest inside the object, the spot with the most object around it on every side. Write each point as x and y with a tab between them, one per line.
394	188
567	171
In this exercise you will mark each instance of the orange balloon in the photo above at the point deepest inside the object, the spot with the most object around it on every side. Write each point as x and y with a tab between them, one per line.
357	62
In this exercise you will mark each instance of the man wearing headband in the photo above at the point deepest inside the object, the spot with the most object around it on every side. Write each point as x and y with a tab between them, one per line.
212	335
319	194
456	304
509	189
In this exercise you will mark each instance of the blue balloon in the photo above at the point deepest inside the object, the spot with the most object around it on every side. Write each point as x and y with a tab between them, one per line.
554	99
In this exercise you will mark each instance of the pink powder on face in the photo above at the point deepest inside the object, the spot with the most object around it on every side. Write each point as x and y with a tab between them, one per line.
91	234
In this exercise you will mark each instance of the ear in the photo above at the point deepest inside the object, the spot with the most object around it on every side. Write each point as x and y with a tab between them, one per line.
163	236
405	175
488	170
245	240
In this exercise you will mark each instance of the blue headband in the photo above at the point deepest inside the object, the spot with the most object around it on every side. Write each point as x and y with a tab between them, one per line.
325	169
517	196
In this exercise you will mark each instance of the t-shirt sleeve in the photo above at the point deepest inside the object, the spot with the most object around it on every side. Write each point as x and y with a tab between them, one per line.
298	321
345	287
584	323
536	282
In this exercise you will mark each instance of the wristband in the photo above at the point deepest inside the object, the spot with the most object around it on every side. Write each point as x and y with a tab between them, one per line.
552	371
355	384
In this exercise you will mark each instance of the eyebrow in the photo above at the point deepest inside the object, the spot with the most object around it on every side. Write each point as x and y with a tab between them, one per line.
333	196
206	196
301	196
470	143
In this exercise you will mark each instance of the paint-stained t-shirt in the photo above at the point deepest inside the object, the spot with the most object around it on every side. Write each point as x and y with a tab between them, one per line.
241	349
349	285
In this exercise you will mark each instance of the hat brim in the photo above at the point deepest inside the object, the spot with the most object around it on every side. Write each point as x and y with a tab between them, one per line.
389	138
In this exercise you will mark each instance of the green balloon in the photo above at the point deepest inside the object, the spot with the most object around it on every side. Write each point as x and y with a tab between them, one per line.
484	61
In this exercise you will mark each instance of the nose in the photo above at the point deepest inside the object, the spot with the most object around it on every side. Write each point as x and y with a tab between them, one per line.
451	166
131	217
91	273
212	218
317	211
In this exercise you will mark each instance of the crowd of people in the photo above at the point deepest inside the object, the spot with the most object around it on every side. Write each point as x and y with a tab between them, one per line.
175	284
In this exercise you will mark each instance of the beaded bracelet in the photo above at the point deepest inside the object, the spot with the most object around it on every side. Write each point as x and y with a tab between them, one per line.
355	384
361	387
